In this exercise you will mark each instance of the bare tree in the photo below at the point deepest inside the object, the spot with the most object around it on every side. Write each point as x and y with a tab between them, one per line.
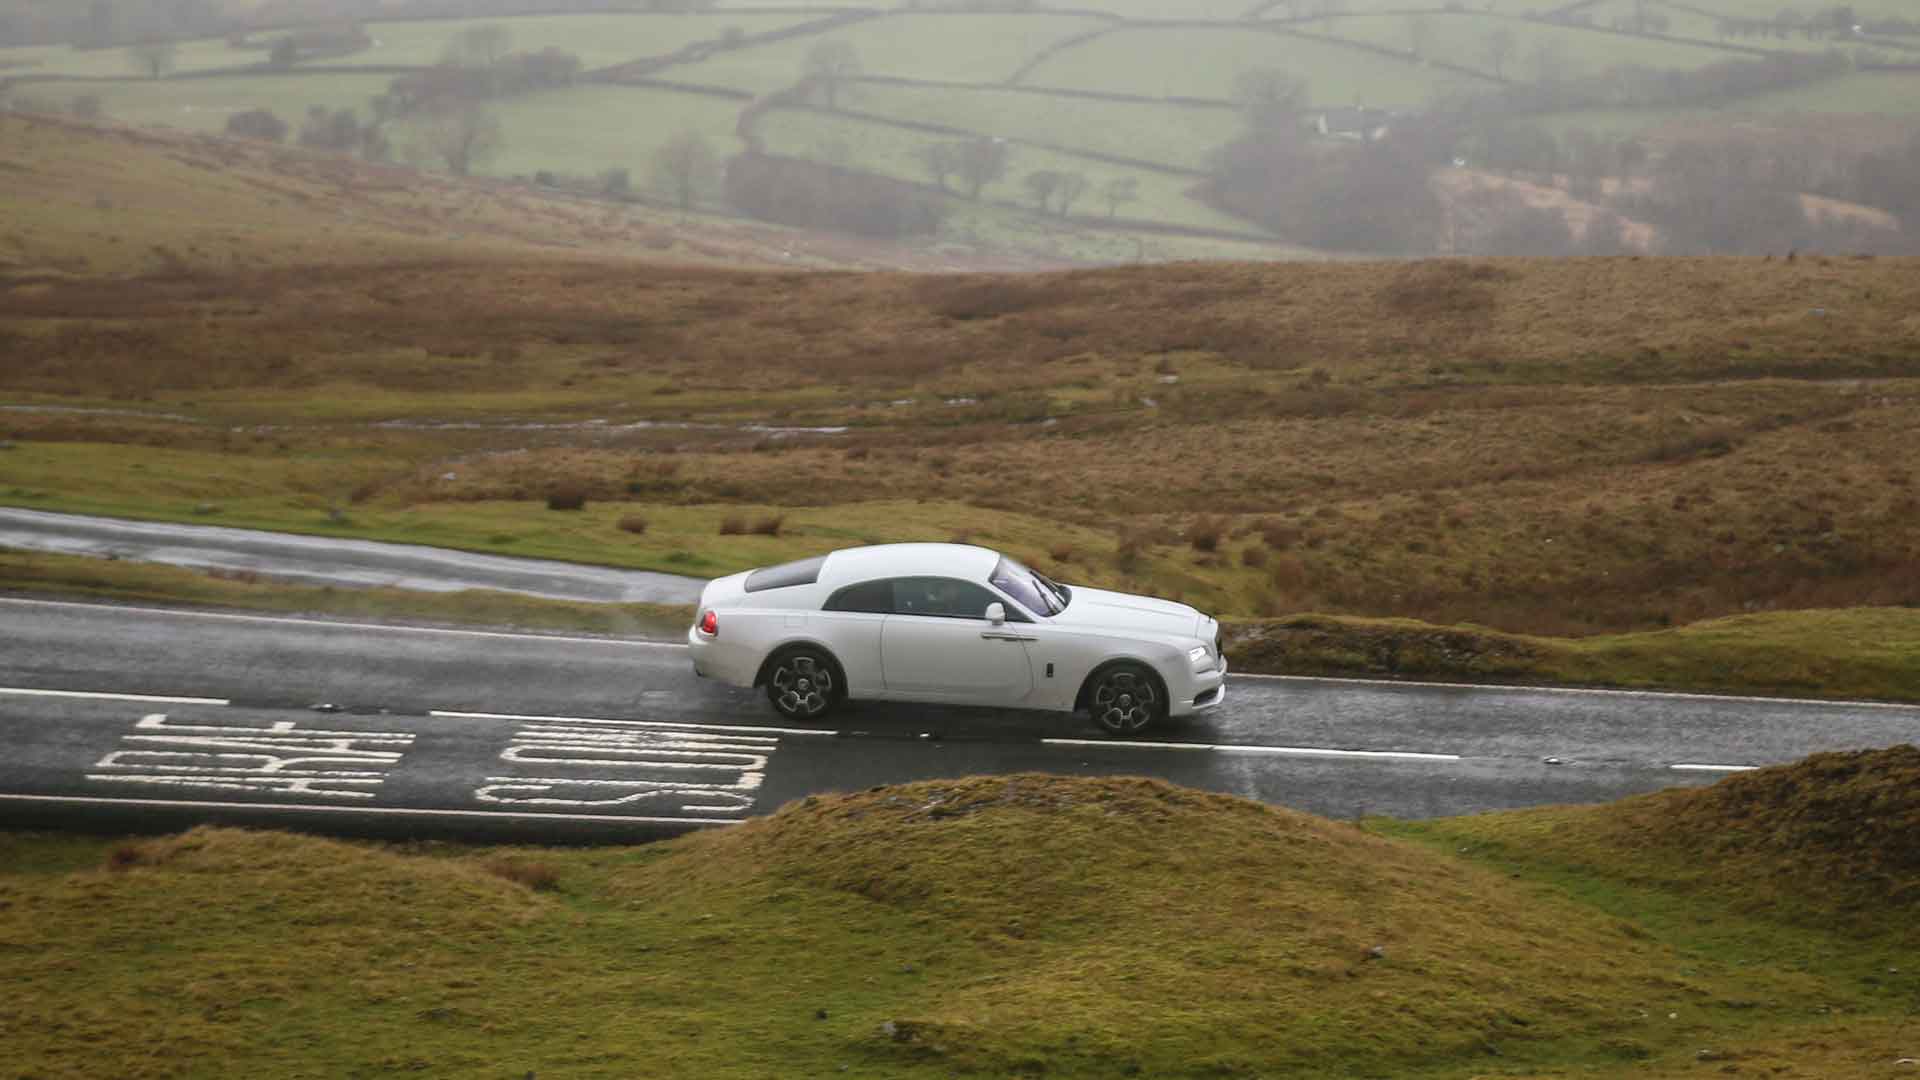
1419	36
1072	186
1271	97
458	134
830	64
980	162
1041	184
685	166
941	160
154	58
480	46
1120	189
1498	47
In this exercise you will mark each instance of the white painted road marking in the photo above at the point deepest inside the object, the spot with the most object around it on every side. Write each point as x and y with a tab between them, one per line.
1714	768
1233	748
662	724
397	811
96	695
279	758
619	764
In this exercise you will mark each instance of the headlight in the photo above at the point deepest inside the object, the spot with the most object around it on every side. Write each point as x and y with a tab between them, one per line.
1200	656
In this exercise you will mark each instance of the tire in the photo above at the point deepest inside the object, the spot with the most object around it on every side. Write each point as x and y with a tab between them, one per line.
1125	699
804	684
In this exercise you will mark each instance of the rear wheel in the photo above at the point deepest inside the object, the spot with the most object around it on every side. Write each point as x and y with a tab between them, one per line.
803	684
1126	699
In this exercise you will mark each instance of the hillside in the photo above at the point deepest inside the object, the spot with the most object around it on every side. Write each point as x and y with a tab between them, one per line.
1098	148
998	926
84	199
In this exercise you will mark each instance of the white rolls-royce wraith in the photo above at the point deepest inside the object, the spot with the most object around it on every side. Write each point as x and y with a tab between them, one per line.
957	624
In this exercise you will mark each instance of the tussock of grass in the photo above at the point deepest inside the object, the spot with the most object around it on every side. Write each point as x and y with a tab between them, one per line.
993	926
1827	841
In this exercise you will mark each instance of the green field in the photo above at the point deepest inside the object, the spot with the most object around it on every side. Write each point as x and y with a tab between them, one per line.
1173	134
1136	61
599	40
898	153
957	48
207	54
589	129
1868	93
1461	39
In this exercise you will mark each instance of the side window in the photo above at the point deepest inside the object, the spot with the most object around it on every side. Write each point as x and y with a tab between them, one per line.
944	597
875	597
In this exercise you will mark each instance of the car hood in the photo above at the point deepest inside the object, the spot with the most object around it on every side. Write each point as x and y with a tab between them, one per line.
1098	609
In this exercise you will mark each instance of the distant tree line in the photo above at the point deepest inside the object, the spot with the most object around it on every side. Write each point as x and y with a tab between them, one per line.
812	195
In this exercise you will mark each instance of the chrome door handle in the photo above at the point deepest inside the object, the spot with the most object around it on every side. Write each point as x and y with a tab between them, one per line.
993	636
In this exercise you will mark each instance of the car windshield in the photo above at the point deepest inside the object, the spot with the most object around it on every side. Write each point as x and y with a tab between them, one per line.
1032	590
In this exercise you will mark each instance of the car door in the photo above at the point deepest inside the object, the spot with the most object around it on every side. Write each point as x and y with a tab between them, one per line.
937	644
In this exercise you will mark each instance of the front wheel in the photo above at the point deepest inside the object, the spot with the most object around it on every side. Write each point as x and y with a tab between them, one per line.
1125	699
803	684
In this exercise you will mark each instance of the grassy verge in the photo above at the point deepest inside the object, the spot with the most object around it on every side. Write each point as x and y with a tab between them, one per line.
1871	653
74	577
1002	926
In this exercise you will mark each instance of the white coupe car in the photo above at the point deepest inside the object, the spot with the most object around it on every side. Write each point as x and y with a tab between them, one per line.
956	624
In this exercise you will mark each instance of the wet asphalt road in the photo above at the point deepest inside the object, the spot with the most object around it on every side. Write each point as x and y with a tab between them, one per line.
148	718
320	560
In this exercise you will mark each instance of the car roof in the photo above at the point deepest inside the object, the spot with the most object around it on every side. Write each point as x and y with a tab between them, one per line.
964	561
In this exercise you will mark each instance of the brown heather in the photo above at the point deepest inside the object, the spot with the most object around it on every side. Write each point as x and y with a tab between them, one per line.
1541	446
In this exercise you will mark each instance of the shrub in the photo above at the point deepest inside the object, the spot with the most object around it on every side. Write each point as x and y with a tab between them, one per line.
1206	533
540	877
1255	556
1061	553
634	524
769	526
567	498
732	525
257	124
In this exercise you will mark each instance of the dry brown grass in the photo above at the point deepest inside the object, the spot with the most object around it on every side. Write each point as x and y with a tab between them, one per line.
1552	447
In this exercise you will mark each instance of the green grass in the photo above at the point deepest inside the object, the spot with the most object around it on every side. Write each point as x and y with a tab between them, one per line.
205	54
959	48
968	926
1883	93
1141	61
116	581
1458	38
599	40
1171	134
589	129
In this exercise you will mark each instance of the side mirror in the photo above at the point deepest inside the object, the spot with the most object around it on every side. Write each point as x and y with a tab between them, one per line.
997	613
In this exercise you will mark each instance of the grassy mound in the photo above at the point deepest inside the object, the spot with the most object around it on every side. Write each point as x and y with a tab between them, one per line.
1828	840
1018	925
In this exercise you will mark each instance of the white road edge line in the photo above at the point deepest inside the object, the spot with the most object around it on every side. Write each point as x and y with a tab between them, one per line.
734	728
1231	748
394	810
104	696
1713	768
288	621
1595	690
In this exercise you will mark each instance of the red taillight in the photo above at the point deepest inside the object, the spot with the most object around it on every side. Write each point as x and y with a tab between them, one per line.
710	623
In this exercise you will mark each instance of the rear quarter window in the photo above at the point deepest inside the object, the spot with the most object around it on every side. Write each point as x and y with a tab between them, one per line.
786	575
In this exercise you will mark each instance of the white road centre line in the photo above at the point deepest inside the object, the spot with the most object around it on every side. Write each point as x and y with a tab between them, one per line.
98	695
1713	768
661	724
362	811
1588	690
329	623
1231	748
